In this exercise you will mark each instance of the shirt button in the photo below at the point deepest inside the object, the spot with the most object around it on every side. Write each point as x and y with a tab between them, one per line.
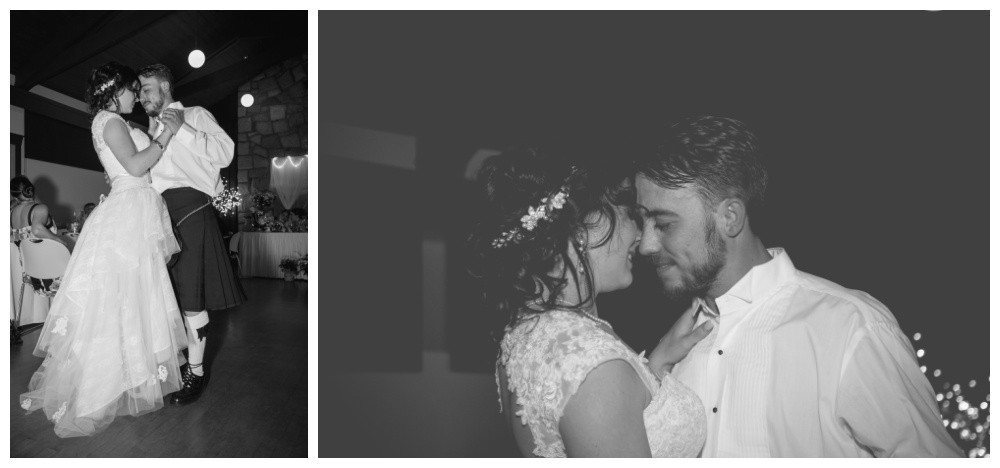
715	410
720	352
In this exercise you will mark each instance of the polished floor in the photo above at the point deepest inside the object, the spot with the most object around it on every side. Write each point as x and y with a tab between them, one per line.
255	406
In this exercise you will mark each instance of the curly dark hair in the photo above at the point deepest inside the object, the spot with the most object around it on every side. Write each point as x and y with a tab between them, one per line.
719	155
21	185
529	275
100	92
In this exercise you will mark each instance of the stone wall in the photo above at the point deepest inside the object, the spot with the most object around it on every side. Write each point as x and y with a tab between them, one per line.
274	126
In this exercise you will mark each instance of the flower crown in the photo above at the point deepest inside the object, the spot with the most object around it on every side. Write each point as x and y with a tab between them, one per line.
543	211
105	86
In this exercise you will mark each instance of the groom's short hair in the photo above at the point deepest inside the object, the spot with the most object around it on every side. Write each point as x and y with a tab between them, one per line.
161	72
718	155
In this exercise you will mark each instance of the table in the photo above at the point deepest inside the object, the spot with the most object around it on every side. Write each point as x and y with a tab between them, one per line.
260	252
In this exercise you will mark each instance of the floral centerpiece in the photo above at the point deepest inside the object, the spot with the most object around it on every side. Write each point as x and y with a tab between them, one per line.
260	218
262	199
292	266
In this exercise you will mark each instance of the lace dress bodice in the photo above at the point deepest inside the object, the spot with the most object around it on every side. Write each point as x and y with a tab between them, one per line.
549	356
112	167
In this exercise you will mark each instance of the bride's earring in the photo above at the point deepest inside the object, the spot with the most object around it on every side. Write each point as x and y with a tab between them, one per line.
581	254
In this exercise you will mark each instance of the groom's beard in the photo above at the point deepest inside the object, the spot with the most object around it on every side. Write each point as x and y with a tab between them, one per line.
153	106
701	277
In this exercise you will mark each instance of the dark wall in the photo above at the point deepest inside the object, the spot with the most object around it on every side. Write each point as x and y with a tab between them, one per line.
67	144
373	251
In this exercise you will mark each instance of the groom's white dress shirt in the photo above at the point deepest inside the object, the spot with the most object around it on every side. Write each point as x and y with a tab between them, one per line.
195	155
798	366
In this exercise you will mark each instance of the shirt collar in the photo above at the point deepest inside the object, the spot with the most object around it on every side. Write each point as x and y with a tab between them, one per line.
762	279
155	121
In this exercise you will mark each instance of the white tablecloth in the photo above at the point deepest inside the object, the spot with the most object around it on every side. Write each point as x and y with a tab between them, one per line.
260	252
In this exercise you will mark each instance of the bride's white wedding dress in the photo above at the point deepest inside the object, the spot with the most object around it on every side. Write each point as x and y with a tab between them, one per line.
112	336
547	358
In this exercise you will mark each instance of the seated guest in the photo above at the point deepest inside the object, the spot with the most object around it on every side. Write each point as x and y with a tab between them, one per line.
28	218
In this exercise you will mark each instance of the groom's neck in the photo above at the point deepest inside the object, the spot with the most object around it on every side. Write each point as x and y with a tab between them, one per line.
167	101
741	257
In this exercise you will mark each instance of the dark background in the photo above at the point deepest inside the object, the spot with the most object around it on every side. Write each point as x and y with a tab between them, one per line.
873	126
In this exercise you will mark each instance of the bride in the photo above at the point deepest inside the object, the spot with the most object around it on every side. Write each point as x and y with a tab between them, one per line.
112	336
554	237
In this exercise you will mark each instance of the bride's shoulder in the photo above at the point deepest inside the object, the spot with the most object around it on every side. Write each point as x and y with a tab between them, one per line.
102	118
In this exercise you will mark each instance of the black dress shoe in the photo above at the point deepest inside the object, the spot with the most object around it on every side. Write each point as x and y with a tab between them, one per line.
193	386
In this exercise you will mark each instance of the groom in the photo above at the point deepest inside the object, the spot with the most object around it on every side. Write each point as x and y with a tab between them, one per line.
795	365
187	175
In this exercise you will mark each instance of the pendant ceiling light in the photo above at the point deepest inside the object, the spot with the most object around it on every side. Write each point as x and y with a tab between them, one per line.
196	58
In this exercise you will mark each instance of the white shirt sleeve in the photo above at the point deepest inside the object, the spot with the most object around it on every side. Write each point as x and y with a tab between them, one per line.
204	138
884	400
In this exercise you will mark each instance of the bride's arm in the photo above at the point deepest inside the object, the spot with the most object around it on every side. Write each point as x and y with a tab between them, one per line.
678	342
116	136
604	417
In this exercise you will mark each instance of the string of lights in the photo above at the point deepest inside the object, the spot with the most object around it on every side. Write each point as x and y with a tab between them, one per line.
228	200
967	420
295	161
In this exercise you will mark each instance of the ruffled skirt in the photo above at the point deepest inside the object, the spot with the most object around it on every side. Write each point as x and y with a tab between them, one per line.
113	335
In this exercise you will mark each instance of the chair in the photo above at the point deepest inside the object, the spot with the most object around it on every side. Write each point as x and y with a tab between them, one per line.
234	252
43	263
16	271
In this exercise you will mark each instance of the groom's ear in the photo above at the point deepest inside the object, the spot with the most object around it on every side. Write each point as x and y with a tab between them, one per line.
165	87
733	213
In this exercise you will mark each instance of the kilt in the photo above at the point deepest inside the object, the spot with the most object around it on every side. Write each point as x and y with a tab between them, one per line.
201	273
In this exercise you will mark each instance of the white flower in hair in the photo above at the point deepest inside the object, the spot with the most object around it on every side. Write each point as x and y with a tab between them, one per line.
535	214
530	221
105	86
558	200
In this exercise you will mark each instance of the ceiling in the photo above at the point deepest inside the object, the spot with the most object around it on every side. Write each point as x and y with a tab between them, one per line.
58	49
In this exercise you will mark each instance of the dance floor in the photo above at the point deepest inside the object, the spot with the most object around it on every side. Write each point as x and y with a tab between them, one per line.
255	405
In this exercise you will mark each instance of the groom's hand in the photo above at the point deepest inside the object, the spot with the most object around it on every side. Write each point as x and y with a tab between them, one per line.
173	119
679	341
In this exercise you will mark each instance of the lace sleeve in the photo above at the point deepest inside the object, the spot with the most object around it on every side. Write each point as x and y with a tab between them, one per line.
97	127
546	372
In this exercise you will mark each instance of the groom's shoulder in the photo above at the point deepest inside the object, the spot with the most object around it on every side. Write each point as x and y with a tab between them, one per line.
195	110
832	298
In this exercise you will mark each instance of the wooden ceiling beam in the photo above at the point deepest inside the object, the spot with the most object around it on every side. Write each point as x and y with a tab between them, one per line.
117	28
